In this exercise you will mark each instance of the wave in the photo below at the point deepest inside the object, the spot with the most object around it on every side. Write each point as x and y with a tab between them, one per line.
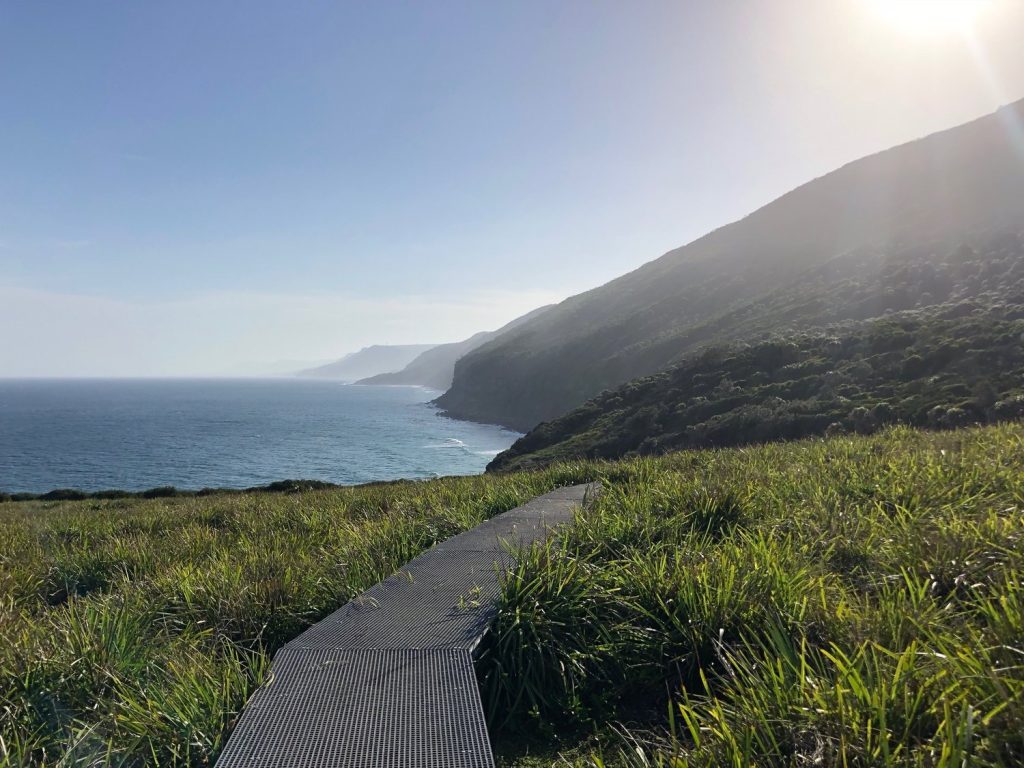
449	442
456	444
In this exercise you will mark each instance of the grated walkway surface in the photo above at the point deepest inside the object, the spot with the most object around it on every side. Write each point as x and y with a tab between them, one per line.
387	680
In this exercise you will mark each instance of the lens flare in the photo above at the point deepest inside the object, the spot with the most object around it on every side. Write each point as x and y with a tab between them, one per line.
930	17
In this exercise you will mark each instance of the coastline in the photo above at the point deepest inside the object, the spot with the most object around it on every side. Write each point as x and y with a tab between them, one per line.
126	439
170	491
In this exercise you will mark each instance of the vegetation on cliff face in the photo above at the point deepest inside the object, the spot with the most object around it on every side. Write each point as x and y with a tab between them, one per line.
857	601
787	266
944	365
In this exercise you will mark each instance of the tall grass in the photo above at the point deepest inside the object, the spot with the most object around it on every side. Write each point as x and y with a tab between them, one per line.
849	602
132	631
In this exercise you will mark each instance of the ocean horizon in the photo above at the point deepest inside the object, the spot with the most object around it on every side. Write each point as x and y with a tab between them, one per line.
133	434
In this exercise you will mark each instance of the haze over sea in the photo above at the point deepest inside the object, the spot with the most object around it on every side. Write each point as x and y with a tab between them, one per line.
96	434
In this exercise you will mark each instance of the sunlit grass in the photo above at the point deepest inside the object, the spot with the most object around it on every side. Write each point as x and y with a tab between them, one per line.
850	602
132	631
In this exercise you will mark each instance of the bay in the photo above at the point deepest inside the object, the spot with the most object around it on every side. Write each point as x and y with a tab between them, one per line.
134	434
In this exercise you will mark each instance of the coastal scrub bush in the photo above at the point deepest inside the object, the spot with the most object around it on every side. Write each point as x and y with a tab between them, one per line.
64	494
940	368
162	492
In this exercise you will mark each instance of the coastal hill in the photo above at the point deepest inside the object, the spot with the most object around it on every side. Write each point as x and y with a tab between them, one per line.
779	269
435	368
937	366
369	361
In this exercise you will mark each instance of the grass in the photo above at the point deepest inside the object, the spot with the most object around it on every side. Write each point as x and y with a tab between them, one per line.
857	601
133	630
850	602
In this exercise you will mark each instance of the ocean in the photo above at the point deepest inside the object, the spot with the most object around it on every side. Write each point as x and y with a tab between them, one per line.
136	434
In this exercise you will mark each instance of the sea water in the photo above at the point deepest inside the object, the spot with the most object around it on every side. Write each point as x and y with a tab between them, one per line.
227	433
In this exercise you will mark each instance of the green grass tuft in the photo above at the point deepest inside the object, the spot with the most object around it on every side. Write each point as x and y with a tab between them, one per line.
855	601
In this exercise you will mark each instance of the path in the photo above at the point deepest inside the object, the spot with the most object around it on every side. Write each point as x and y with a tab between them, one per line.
387	680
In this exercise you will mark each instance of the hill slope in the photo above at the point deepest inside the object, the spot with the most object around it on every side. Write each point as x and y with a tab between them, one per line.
435	368
939	366
368	361
769	271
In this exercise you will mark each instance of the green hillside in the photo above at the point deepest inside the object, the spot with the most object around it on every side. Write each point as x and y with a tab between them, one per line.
942	365
783	267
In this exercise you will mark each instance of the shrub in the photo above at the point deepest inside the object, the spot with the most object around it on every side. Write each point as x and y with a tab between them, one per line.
163	492
64	494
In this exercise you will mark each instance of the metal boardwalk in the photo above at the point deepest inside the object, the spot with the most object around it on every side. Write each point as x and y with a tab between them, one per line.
387	680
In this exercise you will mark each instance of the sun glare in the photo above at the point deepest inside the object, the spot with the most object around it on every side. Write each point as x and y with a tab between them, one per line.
930	17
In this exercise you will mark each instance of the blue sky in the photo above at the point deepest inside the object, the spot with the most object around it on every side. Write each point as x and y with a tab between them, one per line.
191	187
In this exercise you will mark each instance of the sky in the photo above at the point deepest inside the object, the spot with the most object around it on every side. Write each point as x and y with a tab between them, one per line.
208	188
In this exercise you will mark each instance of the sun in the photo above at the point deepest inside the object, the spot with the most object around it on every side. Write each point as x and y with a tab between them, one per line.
930	17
